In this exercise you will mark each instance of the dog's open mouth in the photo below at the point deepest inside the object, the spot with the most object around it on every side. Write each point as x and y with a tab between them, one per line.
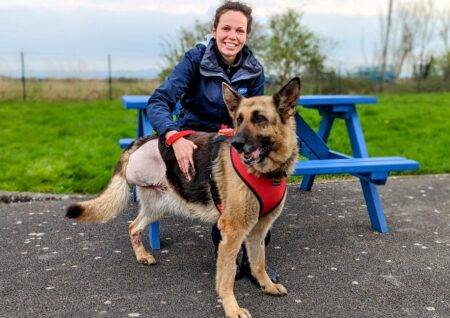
256	155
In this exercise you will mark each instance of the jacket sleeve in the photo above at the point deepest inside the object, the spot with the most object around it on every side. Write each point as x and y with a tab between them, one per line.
162	102
257	88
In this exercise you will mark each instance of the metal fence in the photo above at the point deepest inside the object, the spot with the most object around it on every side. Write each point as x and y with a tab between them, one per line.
30	76
35	76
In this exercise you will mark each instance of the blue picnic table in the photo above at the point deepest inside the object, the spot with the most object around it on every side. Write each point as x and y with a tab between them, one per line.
371	171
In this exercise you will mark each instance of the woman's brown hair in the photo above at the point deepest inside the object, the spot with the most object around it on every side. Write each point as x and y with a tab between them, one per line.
234	6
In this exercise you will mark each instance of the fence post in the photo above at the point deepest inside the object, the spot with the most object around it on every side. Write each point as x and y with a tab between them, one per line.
24	91
385	46
339	79
109	77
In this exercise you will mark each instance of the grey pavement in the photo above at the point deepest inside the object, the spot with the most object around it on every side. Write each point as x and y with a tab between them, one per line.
331	262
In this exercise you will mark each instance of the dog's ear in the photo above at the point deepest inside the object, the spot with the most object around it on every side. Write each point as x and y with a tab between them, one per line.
231	98
287	97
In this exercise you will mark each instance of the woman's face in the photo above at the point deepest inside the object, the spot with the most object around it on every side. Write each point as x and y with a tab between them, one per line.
231	34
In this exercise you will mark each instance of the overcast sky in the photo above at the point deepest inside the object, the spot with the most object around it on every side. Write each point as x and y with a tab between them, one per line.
78	34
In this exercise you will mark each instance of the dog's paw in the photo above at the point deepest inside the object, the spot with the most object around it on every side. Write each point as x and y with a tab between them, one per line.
147	259
275	290
239	313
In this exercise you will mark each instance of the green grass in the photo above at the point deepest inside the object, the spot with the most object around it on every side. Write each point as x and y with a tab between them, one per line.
60	146
71	147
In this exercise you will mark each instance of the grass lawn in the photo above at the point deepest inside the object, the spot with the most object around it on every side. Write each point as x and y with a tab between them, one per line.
60	146
71	147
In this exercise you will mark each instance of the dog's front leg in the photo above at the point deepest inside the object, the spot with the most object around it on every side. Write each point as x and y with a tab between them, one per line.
256	256
232	239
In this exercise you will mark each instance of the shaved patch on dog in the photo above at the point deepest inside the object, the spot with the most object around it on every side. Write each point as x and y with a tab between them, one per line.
145	166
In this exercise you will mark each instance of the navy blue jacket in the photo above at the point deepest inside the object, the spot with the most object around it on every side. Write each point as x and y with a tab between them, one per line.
196	82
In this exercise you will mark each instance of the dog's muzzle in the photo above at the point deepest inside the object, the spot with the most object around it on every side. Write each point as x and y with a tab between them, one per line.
252	152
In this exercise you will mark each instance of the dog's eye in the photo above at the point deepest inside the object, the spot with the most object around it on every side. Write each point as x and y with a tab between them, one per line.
240	119
257	118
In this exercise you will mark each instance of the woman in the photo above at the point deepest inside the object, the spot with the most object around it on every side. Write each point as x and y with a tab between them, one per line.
196	82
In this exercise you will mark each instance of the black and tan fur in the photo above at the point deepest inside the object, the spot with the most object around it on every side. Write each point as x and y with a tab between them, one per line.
265	129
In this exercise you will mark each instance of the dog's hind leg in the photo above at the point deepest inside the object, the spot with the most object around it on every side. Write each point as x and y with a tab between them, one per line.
149	211
256	256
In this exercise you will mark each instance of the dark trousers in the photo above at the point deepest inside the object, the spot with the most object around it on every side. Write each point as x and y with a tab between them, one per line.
243	265
216	237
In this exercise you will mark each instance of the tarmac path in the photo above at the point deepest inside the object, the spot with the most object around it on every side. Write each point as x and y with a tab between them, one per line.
331	262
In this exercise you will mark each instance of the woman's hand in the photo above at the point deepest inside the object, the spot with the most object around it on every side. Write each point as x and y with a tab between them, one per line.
184	150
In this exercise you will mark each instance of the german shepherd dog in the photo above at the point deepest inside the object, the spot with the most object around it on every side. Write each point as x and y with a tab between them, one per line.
265	140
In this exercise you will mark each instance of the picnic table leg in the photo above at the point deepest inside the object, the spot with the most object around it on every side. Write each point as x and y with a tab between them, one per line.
373	202
356	134
146	129
140	124
153	236
144	126
324	132
374	206
153	228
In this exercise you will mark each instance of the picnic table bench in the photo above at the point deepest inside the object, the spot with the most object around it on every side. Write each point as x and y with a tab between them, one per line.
371	171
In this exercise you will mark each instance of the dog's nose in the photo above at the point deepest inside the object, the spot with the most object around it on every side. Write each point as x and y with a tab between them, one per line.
238	143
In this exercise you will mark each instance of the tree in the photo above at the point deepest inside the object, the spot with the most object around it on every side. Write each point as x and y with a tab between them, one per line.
291	48
444	34
402	38
423	59
386	44
412	34
176	49
444	30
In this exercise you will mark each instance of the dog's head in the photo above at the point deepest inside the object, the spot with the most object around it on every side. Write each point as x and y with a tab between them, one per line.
264	125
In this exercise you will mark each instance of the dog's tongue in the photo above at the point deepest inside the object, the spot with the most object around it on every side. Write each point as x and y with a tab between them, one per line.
255	154
252	157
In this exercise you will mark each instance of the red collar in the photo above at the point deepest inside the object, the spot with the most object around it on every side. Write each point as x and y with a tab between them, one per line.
269	193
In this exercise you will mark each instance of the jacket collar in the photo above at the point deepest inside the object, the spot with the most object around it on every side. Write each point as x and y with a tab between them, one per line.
224	64
209	65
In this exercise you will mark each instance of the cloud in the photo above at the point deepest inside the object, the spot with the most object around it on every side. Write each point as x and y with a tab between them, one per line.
174	7
343	7
203	7
262	8
135	31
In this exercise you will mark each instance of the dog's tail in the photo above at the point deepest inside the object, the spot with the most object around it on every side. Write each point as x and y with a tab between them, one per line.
113	200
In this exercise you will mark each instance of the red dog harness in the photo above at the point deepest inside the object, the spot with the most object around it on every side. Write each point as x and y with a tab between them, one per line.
269	193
